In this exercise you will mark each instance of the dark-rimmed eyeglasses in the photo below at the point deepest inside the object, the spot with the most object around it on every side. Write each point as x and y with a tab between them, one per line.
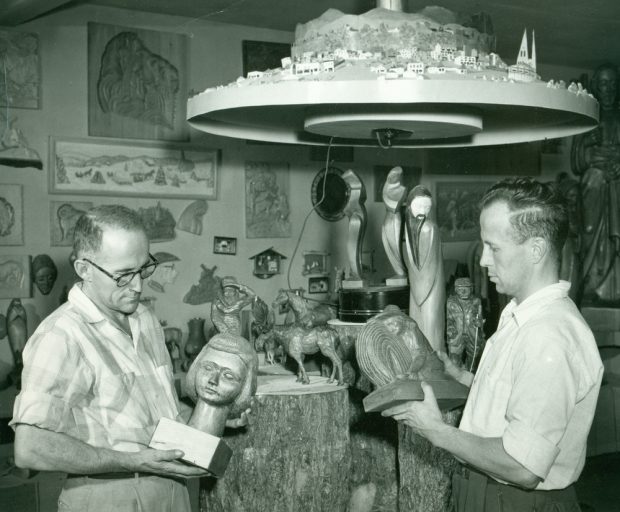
125	278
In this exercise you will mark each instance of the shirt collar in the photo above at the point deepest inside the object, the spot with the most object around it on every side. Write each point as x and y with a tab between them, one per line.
531	305
88	309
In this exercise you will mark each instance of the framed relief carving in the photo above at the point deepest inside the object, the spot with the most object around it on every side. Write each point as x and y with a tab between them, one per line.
11	214
15	279
20	86
63	216
137	85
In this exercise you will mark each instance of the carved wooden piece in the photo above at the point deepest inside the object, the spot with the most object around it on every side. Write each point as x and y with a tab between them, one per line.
356	212
393	196
424	261
295	455
16	330
395	355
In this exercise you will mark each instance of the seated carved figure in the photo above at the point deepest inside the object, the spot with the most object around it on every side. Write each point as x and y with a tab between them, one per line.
395	355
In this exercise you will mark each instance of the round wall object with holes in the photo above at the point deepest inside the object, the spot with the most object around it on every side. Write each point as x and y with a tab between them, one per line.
330	194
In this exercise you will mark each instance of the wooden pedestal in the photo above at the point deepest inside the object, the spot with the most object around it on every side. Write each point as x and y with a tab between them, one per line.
425	471
295	455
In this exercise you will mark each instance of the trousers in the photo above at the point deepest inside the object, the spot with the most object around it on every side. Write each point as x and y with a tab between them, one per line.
150	493
475	492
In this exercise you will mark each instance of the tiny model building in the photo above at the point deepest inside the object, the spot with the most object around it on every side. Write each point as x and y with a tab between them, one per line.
267	263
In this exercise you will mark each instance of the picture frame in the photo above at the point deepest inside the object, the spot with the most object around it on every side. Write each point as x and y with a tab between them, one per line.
319	284
411	178
63	216
121	168
15	276
315	262
267	200
224	245
121	57
263	55
456	209
20	86
11	214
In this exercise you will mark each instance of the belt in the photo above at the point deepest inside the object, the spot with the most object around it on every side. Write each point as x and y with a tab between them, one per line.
111	476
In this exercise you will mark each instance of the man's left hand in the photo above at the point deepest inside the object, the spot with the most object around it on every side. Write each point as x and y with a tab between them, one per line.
422	416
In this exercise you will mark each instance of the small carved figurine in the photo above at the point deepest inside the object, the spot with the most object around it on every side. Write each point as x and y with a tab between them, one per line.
226	308
172	337
464	323
18	335
222	381
44	273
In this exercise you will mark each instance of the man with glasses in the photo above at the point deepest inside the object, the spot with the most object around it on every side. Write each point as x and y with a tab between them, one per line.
97	378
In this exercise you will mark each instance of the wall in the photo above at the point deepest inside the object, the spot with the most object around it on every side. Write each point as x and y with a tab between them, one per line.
215	57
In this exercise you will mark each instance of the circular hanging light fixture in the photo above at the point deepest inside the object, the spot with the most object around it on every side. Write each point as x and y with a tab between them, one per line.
437	101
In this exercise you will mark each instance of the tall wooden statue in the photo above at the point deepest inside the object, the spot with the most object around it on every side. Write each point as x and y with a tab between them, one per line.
356	212
18	335
391	232
595	157
424	261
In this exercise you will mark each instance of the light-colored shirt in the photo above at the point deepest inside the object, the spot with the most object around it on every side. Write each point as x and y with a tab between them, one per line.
537	385
86	378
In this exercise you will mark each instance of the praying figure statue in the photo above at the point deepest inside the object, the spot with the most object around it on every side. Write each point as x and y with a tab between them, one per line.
424	261
595	157
393	196
464	322
222	381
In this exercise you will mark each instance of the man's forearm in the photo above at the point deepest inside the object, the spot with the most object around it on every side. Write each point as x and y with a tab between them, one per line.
44	450
486	454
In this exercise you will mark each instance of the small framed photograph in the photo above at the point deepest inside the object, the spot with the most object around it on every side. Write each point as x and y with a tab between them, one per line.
318	284
224	245
315	262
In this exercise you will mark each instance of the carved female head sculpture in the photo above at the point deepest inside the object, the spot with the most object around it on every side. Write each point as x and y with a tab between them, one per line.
224	373
44	273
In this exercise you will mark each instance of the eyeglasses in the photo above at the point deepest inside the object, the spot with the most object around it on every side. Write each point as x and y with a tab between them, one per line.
125	278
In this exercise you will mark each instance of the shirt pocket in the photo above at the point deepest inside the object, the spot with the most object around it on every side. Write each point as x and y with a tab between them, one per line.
122	401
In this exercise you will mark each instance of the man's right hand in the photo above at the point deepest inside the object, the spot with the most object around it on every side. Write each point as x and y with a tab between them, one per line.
163	462
454	371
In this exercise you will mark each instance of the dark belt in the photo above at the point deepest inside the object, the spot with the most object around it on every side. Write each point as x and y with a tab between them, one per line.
111	476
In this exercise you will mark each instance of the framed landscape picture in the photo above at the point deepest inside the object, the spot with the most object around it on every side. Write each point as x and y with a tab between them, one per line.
120	168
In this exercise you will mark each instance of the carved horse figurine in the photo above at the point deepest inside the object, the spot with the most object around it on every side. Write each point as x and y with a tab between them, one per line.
297	340
304	315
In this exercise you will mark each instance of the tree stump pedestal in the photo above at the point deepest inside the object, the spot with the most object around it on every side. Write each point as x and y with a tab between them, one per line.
295	454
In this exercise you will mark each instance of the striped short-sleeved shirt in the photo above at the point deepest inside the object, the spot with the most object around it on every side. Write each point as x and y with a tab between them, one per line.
86	378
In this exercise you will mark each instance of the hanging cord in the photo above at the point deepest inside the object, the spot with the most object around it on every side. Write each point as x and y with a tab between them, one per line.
303	227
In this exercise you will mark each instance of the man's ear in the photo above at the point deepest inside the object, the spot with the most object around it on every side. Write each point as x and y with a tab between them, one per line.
539	248
82	269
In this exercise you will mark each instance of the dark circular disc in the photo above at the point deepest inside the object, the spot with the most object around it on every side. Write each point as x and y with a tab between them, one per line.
330	194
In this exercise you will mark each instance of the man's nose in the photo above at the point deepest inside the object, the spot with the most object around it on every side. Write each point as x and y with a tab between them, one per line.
136	283
485	259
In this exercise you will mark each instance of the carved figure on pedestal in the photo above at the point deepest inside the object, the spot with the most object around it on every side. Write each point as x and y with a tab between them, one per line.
356	212
395	355
17	331
595	157
44	273
226	308
391	232
424	261
464	323
297	340
222	381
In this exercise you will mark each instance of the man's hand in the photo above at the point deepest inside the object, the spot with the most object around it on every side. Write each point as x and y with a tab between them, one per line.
163	462
454	371
241	421
424	416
